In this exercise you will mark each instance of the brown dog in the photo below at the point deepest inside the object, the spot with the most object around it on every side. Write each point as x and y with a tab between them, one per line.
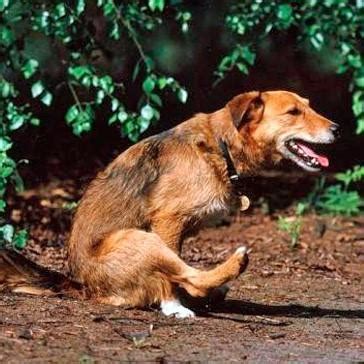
130	223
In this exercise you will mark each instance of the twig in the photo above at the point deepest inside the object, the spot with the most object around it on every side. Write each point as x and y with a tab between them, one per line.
132	34
74	94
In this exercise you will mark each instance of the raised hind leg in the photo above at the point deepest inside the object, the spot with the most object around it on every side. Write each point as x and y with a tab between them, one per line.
137	269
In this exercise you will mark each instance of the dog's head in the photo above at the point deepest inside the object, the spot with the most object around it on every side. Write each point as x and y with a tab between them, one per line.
283	125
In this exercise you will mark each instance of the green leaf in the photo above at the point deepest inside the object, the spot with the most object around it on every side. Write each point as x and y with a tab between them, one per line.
20	239
106	84
81	118
79	71
46	98
156	5
80	6
114	104
355	61
147	112
16	122
149	63
242	68
358	108
122	116
4	4
156	99
6	36
37	88
72	114
284	12
100	96
248	55
162	82
87	80
5	144
113	119
360	126
115	31
136	70
129	126
5	172
144	124
317	40
60	10
182	95
148	85
30	67
7	89
35	121
7	233
359	81
2	205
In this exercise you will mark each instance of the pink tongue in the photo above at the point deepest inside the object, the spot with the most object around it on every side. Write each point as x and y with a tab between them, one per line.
321	158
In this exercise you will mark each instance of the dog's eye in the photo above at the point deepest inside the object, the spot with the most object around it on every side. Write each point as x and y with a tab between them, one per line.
294	111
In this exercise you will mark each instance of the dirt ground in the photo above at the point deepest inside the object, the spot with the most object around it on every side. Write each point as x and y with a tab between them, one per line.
301	305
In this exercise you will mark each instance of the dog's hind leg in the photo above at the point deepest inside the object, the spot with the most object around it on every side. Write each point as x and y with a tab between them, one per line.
137	268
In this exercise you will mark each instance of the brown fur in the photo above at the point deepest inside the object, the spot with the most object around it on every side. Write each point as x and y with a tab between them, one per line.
130	223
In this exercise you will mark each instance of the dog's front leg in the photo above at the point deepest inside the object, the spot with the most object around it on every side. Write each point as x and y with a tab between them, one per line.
170	229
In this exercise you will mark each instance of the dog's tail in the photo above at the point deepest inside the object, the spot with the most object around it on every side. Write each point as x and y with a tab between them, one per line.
18	274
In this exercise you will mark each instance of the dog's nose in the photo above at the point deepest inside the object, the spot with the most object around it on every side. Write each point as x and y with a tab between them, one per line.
335	128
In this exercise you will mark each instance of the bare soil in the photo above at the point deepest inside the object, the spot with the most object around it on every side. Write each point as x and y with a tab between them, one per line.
301	305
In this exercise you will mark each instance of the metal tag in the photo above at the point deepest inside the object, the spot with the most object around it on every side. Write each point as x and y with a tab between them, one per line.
244	203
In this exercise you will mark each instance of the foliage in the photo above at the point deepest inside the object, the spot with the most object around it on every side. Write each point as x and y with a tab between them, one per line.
61	28
337	199
9	237
293	224
330	24
62	31
355	174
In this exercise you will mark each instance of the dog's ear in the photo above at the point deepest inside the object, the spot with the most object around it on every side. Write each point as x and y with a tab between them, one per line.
245	108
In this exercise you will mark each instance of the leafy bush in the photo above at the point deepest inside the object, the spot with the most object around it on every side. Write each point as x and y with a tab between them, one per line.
338	199
61	29
27	27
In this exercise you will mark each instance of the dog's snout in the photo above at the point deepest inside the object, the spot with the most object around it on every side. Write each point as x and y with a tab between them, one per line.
335	128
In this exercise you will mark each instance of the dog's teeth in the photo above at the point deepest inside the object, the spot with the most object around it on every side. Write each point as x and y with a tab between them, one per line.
313	160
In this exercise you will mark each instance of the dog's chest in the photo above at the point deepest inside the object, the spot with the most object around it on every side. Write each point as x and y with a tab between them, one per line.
216	205
214	200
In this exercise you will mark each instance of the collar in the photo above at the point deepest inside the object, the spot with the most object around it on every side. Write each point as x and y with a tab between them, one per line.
234	177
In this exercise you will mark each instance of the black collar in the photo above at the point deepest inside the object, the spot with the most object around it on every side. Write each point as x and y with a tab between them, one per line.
235	178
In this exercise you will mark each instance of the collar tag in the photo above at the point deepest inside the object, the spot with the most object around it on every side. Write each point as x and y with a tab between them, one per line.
244	203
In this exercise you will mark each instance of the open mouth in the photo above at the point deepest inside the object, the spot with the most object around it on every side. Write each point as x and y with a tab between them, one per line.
303	154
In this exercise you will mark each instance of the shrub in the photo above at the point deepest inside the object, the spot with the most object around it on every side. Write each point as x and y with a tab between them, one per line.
29	29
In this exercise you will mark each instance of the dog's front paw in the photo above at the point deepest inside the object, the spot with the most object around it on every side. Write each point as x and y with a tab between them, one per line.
176	309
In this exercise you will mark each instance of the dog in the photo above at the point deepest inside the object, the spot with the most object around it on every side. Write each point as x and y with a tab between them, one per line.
131	221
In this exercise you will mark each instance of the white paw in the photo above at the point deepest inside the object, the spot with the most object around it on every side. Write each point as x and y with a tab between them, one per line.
241	251
175	308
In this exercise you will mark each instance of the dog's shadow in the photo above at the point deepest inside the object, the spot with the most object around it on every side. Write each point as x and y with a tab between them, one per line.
240	310
290	310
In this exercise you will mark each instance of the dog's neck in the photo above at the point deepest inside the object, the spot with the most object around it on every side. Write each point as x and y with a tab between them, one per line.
245	153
